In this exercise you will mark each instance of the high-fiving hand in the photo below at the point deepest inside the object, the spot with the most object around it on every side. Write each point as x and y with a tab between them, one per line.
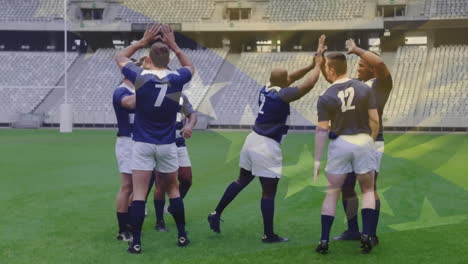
322	48
168	37
350	46
151	33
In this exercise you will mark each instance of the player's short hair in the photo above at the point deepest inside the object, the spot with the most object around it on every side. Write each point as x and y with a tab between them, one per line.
159	54
337	61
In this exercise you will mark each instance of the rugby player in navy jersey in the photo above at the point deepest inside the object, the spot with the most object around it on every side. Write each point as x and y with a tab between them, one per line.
158	91
186	121
261	154
124	104
347	114
373	71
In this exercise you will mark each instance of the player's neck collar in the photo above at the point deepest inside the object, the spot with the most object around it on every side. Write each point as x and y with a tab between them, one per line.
270	88
342	80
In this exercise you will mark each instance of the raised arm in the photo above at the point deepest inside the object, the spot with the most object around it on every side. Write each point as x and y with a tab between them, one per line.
381	70
299	73
313	77
322	47
151	34
169	39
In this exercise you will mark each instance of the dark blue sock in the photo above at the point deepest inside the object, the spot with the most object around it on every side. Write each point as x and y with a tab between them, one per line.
351	208
268	212
327	222
159	209
178	212
368	220
231	192
137	216
376	220
122	219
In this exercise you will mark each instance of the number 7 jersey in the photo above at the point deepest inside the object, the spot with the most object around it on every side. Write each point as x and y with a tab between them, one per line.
346	104
157	102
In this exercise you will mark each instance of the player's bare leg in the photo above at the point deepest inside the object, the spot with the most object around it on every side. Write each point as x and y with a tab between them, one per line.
159	202
176	205
141	180
350	206
369	214
335	181
377	209
245	177
185	180
122	204
150	186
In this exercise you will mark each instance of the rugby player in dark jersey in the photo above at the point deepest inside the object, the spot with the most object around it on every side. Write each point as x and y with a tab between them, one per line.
373	71
261	154
347	114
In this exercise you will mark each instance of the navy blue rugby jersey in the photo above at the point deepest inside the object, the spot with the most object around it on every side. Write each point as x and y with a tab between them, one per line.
125	117
381	90
185	109
346	104
157	96
274	111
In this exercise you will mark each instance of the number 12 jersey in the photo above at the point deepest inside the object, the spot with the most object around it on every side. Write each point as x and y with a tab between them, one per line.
346	104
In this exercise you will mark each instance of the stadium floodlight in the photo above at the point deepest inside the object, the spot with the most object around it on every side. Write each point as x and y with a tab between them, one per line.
66	109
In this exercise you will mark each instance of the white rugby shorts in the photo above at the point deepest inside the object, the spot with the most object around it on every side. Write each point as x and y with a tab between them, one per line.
379	151
355	153
162	158
183	156
123	153
262	156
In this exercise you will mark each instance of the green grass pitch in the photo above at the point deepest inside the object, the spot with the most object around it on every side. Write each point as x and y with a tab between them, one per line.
57	203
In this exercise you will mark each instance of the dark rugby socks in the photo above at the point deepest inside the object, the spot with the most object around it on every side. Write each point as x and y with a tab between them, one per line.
122	219
137	216
327	222
376	219
159	209
178	212
368	221
268	212
231	192
351	208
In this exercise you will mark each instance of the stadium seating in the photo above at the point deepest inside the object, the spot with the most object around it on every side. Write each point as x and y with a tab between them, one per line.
314	10
91	92
26	78
178	11
447	93
31	10
408	77
426	84
447	8
238	104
